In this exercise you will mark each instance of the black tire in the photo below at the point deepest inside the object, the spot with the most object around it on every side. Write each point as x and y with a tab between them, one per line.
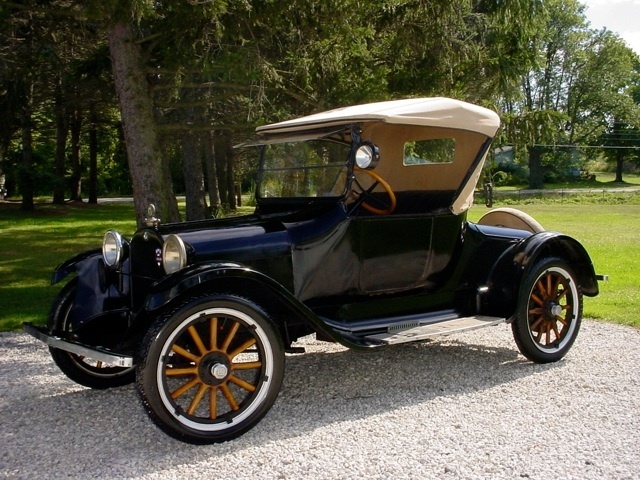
82	370
210	370
549	312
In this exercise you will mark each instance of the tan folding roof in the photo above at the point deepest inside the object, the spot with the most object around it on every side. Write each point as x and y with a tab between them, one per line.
436	112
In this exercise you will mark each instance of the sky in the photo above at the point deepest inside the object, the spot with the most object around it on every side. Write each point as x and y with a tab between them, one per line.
619	16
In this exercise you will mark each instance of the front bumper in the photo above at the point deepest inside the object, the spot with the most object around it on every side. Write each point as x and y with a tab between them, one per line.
96	353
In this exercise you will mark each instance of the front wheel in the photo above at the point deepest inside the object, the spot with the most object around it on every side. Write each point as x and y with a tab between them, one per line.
83	370
549	312
211	370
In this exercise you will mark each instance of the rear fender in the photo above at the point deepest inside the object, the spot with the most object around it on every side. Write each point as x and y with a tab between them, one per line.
516	263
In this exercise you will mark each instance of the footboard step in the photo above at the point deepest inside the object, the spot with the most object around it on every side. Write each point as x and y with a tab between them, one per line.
434	329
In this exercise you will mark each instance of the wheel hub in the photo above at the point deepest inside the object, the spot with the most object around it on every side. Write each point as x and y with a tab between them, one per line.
214	368
219	370
555	309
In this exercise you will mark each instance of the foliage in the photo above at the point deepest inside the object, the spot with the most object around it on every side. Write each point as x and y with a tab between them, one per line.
216	69
580	84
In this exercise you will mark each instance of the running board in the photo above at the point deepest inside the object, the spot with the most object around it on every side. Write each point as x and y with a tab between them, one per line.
434	329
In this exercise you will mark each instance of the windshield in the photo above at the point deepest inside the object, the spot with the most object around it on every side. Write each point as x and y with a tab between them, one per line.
312	168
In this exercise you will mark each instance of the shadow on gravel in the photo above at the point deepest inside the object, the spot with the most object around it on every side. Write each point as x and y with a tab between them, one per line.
86	433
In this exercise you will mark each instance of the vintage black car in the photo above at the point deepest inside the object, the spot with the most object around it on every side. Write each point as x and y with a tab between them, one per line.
360	235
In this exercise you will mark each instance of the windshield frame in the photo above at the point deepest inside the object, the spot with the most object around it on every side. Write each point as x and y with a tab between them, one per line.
344	135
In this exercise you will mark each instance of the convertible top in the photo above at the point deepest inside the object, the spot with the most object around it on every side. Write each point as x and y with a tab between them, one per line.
428	112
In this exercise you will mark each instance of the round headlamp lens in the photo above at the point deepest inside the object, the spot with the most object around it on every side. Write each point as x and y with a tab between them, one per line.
112	246
174	254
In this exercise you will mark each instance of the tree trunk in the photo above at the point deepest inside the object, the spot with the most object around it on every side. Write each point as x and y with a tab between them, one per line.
212	180
93	155
193	178
76	160
536	177
62	130
149	181
26	174
619	164
231	183
220	152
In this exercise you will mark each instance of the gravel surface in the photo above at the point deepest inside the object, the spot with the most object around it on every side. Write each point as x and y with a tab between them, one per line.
465	406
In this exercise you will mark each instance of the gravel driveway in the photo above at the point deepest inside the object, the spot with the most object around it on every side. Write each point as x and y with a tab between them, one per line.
466	406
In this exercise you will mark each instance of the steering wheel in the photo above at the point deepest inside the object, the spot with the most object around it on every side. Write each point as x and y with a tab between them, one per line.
365	196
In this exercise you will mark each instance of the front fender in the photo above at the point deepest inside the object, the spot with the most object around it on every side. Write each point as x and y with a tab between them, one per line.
235	278
71	265
517	261
174	286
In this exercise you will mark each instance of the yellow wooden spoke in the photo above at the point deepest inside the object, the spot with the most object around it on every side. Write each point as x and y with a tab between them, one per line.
186	354
213	403
213	334
561	294
229	396
229	339
197	399
187	386
242	384
197	340
555	330
246	365
180	372
534	325
537	299
242	348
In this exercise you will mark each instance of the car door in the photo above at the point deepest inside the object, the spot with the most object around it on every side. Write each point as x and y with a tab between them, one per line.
394	251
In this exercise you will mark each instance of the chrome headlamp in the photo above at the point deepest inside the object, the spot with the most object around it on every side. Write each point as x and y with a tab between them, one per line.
174	254
113	249
367	156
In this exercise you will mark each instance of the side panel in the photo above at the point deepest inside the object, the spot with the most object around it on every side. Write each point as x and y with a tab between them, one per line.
394	252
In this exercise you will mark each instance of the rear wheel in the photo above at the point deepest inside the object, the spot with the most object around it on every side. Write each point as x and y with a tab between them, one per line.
83	370
211	370
549	312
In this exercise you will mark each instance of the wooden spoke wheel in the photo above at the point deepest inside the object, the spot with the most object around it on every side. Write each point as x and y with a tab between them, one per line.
211	370
550	312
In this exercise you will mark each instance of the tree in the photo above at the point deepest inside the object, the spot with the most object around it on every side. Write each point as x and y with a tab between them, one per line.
579	84
605	88
140	132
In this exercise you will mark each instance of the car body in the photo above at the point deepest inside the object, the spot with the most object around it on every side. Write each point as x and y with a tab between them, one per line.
360	235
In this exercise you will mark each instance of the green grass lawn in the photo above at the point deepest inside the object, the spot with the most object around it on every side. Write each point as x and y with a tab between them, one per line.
32	245
603	180
611	235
